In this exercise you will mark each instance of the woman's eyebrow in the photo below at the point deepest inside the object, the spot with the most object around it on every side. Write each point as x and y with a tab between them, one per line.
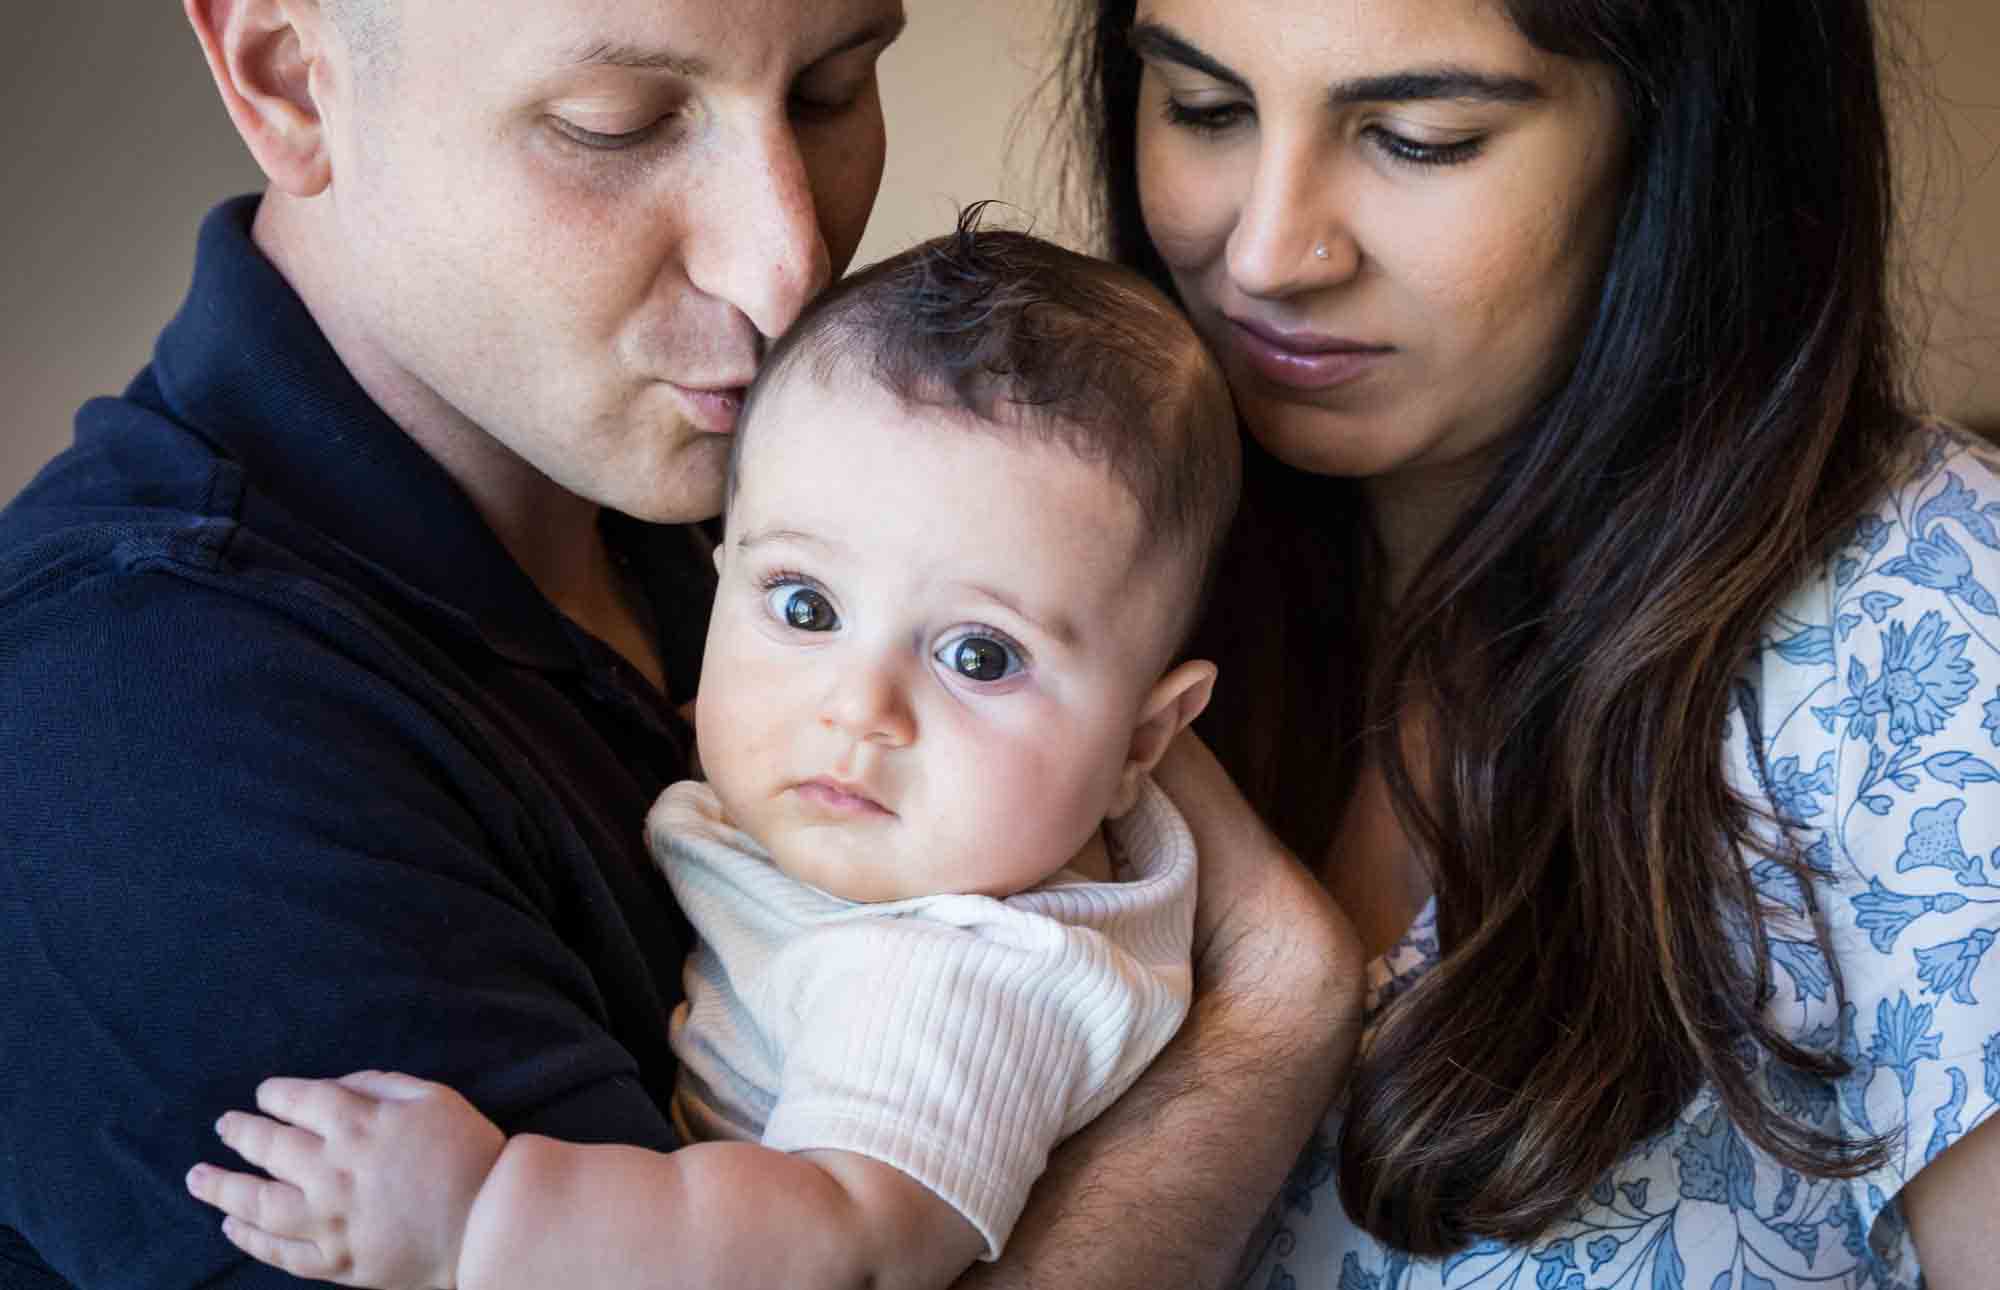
1152	40
1435	83
1156	41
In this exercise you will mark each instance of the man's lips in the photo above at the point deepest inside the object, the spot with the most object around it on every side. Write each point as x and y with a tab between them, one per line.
712	409
839	797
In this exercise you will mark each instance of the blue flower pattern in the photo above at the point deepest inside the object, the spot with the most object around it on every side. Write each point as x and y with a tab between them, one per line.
1874	705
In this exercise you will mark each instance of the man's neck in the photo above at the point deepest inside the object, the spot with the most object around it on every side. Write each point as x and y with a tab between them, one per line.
552	533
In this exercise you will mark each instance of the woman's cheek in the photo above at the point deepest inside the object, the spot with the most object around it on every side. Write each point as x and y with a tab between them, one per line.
1186	202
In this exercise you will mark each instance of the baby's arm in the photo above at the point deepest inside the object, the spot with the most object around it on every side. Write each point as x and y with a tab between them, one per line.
392	1182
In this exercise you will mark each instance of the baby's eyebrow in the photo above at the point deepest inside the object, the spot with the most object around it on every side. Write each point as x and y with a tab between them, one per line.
1056	626
769	537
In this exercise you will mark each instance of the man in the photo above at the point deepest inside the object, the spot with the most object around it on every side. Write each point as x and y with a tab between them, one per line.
346	647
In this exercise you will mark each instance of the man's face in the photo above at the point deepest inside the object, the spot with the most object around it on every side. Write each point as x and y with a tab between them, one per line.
568	227
931	644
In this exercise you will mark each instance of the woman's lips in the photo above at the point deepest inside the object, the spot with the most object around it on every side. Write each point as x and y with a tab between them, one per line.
1303	360
713	410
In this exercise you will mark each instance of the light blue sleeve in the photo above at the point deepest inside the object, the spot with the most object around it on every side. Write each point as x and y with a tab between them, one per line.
1877	695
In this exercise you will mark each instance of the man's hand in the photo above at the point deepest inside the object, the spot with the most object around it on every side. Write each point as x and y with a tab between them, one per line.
1167	1186
372	1178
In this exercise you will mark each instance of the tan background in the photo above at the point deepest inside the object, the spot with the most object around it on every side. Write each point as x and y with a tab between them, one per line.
112	145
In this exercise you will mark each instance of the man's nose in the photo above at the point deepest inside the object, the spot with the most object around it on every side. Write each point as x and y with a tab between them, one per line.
758	243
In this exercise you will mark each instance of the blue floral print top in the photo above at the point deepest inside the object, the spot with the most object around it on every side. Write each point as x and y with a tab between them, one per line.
1874	699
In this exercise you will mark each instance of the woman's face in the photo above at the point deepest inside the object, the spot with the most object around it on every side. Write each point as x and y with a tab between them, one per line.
1388	217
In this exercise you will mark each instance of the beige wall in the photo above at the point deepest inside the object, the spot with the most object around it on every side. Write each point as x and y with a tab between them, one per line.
112	145
1949	136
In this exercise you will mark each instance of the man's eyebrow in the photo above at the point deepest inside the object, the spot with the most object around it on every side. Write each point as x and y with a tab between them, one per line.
885	30
1460	83
611	53
1157	41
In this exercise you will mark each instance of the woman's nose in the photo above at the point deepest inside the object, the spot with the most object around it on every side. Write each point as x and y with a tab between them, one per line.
1291	234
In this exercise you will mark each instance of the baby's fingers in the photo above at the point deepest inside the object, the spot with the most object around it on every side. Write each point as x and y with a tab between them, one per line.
282	1150
330	1108
300	1258
262	1203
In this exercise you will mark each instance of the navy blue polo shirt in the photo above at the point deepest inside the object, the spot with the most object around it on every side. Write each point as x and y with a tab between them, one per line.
303	776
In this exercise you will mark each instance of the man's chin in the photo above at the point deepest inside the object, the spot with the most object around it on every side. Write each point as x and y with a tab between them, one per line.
692	495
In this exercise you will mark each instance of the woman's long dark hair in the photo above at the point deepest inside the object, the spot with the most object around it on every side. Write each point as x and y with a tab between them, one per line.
1574	642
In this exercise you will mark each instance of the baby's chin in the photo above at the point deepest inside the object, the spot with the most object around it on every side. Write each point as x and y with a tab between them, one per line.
866	883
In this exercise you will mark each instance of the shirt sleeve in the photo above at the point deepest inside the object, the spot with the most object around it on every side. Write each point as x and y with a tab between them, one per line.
1880	690
959	1045
233	850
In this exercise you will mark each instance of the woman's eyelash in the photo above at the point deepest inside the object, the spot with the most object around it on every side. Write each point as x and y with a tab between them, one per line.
1215	120
1205	120
1411	152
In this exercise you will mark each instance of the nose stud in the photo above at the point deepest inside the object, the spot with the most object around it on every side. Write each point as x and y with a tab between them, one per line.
1320	252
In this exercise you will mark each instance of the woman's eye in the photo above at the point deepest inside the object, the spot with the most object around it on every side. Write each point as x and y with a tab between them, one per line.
980	658
1206	119
1416	152
802	608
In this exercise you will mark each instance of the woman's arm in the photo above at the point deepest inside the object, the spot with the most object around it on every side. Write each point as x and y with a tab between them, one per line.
1953	1208
1167	1186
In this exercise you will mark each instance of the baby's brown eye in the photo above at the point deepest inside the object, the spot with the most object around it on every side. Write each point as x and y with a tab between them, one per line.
808	611
979	659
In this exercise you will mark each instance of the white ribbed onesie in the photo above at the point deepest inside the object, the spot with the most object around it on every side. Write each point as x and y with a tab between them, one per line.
956	1038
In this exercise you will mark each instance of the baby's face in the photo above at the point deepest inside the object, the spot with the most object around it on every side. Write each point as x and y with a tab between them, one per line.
930	645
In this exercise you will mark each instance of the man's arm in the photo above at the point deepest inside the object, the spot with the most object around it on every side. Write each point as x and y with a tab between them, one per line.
236	845
1166	1187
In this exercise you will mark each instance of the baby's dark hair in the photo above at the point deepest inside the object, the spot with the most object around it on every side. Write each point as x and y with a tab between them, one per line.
1030	338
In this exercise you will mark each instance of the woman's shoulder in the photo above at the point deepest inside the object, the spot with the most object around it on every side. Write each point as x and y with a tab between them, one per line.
1868	724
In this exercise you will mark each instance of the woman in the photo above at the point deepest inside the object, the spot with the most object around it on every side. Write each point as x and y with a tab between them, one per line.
1605	636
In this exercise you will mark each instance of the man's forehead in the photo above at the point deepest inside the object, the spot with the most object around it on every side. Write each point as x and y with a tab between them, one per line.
685	38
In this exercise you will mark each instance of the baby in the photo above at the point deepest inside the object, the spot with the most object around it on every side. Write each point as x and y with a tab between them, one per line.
944	914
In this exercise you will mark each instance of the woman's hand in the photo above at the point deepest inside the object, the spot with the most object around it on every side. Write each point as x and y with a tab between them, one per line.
373	1176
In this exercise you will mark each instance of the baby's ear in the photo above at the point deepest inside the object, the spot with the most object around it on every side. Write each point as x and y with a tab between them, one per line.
1173	703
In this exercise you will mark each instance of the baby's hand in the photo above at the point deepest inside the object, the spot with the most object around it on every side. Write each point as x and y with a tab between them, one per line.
372	1178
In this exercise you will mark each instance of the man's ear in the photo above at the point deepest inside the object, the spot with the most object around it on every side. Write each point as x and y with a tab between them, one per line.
1171	706
262	54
